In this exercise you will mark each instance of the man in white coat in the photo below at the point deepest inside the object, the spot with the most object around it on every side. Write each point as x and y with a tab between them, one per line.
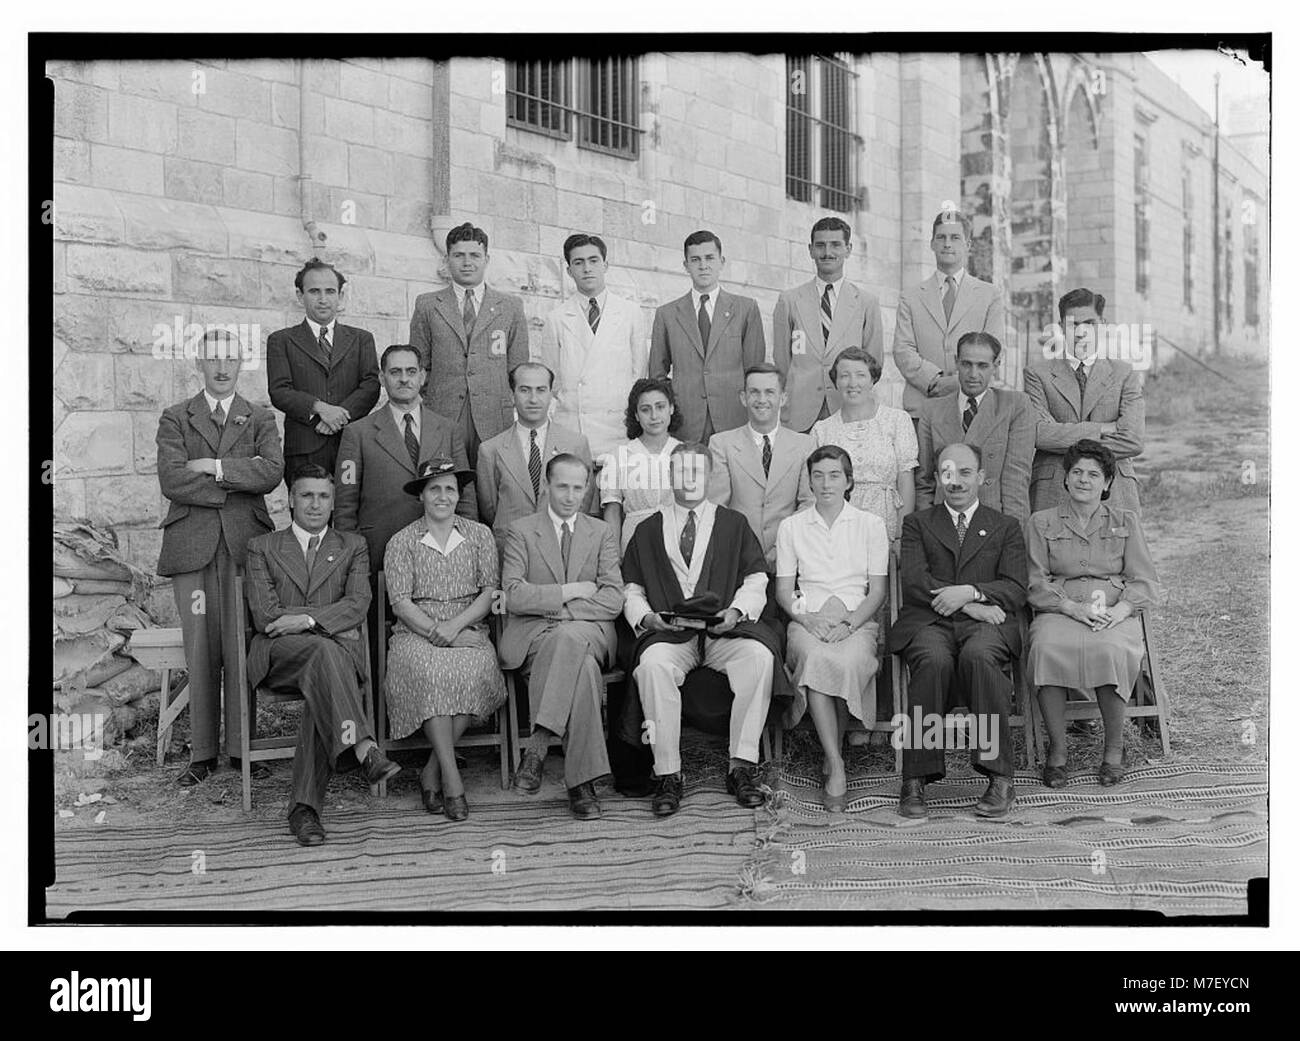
597	346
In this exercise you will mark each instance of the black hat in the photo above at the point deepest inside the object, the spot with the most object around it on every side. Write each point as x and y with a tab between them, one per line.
436	467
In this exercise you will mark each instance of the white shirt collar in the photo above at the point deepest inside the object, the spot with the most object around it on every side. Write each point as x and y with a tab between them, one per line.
822	284
1075	362
557	521
525	433
398	412
302	535
957	276
968	512
601	298
700	508
226	402
475	291
316	328
963	397
758	438
845	516
453	540
713	299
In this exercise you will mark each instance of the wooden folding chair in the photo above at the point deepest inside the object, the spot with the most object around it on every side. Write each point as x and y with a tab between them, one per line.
499	738
1154	708
254	749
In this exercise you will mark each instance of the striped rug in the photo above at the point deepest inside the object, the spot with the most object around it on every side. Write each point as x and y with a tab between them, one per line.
1176	840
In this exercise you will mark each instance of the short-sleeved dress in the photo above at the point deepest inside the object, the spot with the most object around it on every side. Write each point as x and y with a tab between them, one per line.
881	448
423	680
638	480
833	566
1105	561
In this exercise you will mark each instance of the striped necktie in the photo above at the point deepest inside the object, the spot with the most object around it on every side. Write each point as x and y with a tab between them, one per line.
949	298
412	442
325	341
534	463
313	544
828	314
593	314
961	528
704	320
968	417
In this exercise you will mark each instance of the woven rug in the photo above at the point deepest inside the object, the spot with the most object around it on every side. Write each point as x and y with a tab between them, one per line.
1176	840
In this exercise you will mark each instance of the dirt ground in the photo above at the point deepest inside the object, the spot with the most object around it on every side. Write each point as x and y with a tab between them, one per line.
1205	476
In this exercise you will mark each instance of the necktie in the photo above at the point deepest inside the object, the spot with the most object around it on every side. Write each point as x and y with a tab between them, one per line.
961	528
704	320
219	416
412	442
687	541
469	314
949	297
828	314
767	455
566	541
968	417
313	544
325	341
1081	374
534	463
593	314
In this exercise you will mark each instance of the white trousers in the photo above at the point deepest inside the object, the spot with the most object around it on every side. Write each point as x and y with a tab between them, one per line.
661	672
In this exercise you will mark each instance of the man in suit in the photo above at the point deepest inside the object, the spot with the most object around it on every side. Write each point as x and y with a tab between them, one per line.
1078	392
759	469
1000	422
511	465
308	591
563	590
469	336
695	550
933	316
815	321
595	343
963	577
218	456
708	338
321	373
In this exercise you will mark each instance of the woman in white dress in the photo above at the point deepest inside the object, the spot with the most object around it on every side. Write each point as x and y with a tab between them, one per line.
880	440
635	482
838	556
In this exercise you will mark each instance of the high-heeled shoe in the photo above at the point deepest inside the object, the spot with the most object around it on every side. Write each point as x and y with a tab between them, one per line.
456	807
431	799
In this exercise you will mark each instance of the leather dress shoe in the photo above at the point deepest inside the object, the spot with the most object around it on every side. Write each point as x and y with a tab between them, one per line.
583	803
257	771
378	767
742	784
528	774
1109	774
1056	776
455	807
306	826
634	787
911	799
431	800
997	799
196	772
667	798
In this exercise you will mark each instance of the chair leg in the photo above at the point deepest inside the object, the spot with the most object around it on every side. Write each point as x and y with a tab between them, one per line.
1157	685
512	715
503	744
247	708
767	744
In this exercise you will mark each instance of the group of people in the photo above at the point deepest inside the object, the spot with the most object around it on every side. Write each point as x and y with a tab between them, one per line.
686	504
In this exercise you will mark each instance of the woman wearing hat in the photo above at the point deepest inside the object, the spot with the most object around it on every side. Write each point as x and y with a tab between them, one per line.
441	572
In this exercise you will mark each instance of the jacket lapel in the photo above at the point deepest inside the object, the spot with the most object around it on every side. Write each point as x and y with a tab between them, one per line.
1067	385
483	323
329	557
345	340
967	291
810	309
445	302
1099	379
387	437
517	466
201	421
230	430
847	305
549	544
302	336
932	298
579	548
749	459
986	419
722	310
784	456
941	524
688	320
292	562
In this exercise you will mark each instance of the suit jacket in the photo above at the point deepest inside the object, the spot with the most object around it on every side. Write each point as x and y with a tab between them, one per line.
707	379
1004	431
336	593
532	573
373	465
737	480
991	558
477	366
1114	395
298	375
503	485
202	509
925	343
805	360
594	372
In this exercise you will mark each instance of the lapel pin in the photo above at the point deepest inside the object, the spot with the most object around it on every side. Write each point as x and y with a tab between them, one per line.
330	560
983	532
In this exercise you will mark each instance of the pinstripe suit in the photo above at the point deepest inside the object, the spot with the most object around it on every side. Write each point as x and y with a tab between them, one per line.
326	665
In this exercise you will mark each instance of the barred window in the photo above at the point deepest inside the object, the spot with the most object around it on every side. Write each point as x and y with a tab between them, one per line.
821	144
601	95
1188	241
1142	214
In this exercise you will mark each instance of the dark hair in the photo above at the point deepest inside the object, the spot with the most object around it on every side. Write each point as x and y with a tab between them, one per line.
510	376
316	264
580	239
832	224
693	448
1081	298
699	238
644	386
310	472
975	449
765	368
1090	449
976	339
954	217
393	348
837	453
855	354
467	233
566	457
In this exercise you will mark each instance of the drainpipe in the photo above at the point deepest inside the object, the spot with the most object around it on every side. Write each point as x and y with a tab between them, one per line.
314	232
441	220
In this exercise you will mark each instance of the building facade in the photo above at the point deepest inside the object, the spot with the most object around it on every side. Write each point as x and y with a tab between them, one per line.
190	192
